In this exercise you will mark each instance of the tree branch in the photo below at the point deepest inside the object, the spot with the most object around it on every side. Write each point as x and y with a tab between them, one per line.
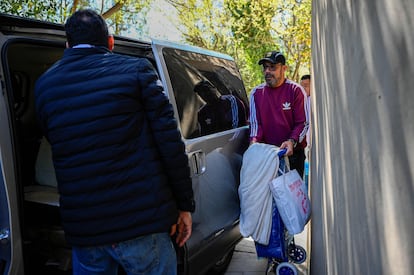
112	10
74	6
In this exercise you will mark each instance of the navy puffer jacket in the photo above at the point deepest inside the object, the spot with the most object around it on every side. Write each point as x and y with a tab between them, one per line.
120	162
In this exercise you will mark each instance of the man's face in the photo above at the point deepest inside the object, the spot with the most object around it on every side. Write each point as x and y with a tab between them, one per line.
306	85
274	73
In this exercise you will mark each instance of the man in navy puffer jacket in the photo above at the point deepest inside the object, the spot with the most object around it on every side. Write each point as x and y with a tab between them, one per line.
121	167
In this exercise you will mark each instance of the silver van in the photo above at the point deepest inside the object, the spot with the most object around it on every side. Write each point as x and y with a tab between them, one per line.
216	136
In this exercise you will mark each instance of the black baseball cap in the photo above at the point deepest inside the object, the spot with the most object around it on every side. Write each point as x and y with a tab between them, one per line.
273	57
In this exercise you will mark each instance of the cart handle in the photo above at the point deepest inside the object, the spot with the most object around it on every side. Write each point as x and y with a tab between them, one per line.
282	152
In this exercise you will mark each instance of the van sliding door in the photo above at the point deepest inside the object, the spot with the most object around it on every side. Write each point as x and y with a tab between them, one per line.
211	107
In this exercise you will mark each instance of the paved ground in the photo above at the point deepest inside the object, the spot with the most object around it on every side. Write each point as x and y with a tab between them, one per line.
246	262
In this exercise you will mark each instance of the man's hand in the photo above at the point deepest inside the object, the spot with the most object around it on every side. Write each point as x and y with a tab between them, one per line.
183	227
288	144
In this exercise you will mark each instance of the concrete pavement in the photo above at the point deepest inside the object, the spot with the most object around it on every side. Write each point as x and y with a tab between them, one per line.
246	262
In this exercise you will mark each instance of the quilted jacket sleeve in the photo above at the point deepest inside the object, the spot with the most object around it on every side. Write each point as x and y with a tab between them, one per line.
164	127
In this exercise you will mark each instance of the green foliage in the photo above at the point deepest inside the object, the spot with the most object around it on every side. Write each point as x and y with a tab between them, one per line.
128	16
204	24
250	26
44	10
292	27
246	29
121	15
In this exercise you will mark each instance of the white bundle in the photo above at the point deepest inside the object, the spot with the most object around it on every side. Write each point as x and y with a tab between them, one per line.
259	168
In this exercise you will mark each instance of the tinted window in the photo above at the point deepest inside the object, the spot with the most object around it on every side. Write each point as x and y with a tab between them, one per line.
208	90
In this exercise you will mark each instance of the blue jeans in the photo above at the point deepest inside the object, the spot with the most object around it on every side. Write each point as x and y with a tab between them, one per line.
150	255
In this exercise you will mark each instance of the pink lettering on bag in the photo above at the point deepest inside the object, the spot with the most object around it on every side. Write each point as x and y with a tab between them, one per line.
300	195
304	205
294	185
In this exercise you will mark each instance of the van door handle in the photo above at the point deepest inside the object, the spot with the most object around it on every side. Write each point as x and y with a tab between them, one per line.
4	236
198	162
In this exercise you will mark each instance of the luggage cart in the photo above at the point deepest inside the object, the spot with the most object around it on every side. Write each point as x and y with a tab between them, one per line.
282	252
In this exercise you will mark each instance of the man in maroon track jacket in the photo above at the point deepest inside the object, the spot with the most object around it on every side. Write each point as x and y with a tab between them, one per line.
278	111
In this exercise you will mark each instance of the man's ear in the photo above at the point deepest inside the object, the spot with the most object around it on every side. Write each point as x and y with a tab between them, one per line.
67	45
111	42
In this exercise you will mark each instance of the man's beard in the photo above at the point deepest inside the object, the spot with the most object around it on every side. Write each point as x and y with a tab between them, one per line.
271	80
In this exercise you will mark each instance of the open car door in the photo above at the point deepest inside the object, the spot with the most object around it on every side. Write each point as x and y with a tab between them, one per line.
11	255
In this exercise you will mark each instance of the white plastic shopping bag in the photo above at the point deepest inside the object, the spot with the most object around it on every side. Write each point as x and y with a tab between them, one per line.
291	197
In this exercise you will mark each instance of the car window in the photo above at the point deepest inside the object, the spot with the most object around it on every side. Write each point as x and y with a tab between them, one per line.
208	91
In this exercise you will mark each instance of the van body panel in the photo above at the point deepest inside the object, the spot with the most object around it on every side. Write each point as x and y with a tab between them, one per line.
215	159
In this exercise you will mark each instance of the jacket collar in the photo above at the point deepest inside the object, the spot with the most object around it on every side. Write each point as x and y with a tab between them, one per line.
86	51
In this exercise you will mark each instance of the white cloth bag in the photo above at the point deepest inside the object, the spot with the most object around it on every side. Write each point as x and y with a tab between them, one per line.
292	201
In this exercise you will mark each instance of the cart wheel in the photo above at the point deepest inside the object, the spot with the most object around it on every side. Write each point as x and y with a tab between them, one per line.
286	269
297	254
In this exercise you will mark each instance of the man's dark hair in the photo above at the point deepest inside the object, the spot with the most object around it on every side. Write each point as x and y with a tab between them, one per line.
86	27
306	76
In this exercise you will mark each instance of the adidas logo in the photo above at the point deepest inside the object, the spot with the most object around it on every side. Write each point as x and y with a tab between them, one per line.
286	106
